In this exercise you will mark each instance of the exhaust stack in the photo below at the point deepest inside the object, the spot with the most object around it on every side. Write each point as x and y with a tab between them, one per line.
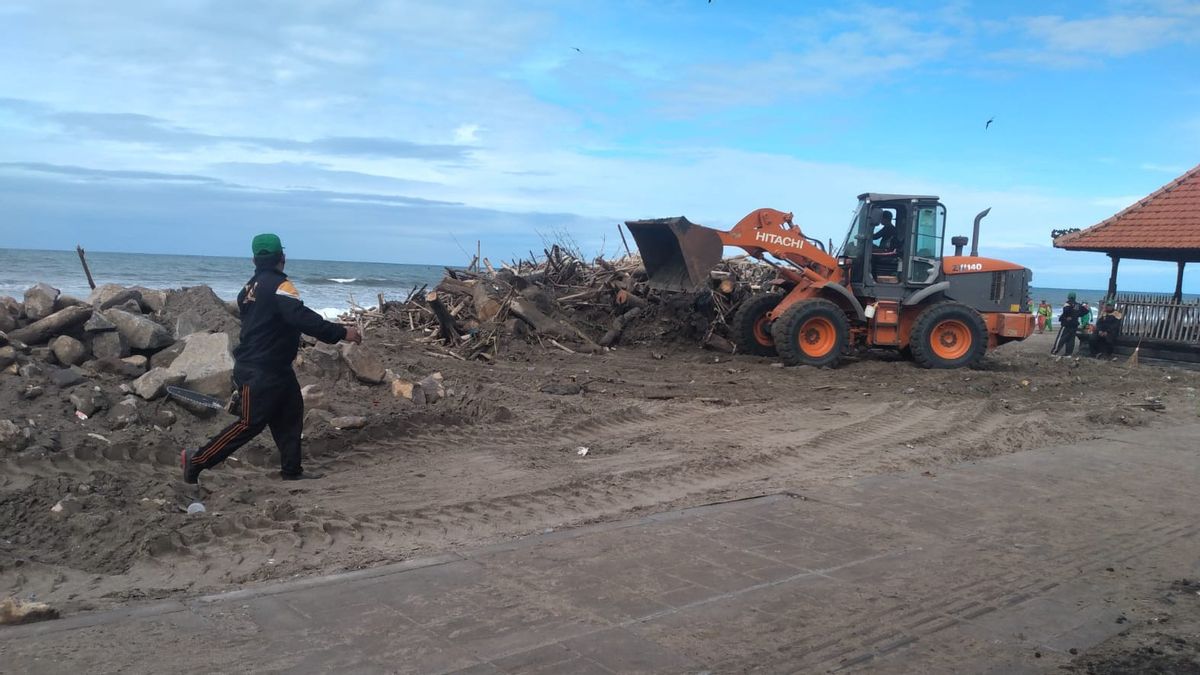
975	234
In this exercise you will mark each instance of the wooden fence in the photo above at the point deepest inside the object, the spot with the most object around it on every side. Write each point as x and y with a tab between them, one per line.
1159	317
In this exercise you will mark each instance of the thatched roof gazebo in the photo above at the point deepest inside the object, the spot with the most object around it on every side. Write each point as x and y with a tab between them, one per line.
1163	226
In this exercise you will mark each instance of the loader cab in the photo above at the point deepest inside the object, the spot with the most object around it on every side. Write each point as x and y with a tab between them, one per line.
889	262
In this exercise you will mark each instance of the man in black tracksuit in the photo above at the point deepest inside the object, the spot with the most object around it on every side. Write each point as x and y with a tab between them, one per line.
268	395
1068	325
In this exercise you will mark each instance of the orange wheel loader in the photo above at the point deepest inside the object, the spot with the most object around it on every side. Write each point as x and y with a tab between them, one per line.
889	285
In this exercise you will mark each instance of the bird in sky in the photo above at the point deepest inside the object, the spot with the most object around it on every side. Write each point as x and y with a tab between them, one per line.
577	49
989	123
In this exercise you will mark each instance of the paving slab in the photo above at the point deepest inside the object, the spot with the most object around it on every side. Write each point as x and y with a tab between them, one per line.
1000	565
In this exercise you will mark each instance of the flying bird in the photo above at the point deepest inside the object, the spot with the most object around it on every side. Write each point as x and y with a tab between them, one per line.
577	49
989	123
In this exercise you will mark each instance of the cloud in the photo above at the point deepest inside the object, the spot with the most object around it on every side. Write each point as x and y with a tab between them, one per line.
106	174
148	130
1061	42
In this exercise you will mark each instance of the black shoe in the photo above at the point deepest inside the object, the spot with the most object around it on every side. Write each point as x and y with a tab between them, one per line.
300	476
187	462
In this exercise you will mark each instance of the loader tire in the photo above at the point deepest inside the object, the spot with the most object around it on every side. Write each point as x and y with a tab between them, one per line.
812	332
948	335
751	330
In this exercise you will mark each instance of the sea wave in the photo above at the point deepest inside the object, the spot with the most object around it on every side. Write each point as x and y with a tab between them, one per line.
342	281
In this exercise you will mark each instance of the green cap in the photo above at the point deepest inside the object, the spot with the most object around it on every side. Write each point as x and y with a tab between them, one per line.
1070	296
266	244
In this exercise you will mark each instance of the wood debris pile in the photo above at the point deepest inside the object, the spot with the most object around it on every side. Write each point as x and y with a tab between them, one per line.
562	301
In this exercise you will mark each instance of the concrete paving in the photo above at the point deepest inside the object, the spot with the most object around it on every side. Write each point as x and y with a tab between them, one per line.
1002	565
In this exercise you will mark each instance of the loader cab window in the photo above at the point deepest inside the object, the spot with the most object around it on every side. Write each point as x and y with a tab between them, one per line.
852	249
925	249
888	221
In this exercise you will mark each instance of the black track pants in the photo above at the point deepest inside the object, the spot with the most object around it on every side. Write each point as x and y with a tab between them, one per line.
267	399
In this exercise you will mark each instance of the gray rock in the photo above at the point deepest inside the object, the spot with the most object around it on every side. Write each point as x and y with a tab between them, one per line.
132	306
3	339
43	354
348	422
39	301
163	419
432	386
314	397
31	392
118	367
66	377
124	414
155	382
57	323
325	361
110	345
8	356
206	363
88	401
165	357
31	370
203	302
561	389
99	324
153	299
189	322
141	332
365	365
11	437
137	363
65	301
68	350
103	292
7	321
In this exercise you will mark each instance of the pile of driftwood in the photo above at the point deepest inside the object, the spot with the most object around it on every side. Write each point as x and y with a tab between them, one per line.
563	302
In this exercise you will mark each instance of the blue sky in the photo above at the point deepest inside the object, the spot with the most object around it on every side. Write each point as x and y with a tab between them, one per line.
404	131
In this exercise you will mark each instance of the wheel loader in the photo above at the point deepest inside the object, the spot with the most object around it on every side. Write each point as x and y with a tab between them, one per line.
887	286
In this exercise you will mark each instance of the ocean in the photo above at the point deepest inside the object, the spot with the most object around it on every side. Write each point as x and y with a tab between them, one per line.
325	285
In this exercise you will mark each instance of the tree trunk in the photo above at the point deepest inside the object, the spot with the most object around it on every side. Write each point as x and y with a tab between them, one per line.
446	323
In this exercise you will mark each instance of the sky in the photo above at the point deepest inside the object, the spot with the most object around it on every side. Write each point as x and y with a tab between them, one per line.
398	131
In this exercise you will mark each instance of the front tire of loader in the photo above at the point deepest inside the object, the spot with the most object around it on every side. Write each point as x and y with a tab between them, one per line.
751	330
948	335
812	332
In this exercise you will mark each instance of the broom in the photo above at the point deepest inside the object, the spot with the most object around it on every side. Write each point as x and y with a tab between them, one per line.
1133	358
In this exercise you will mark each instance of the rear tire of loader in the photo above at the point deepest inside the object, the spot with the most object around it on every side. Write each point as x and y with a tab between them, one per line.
751	330
948	335
812	332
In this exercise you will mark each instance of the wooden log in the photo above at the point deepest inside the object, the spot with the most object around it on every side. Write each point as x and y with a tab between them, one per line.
91	284
718	343
618	326
456	287
528	312
55	324
487	304
627	299
447	327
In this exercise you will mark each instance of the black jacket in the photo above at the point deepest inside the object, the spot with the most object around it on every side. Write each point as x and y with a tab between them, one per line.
1070	314
1109	324
273	317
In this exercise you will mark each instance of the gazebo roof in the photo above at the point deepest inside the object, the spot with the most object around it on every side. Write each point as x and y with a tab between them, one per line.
1162	226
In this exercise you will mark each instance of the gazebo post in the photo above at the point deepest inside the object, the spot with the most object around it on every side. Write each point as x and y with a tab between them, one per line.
1112	278
1179	283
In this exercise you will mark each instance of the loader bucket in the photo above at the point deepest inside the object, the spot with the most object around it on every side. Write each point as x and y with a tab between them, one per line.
678	254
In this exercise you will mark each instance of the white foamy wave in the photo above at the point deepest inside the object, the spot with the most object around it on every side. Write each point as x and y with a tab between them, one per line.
343	281
330	313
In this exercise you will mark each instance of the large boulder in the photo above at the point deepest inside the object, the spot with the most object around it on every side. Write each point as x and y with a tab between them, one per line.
110	345
57	323
8	356
153	299
155	382
206	364
39	301
10	312
113	295
365	365
140	331
68	350
99	324
11	437
207	312
189	322
324	361
165	357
